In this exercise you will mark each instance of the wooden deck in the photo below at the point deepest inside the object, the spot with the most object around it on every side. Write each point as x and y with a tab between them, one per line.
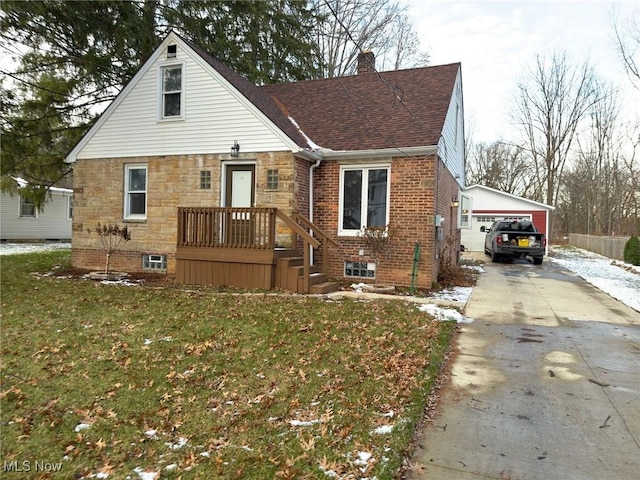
237	247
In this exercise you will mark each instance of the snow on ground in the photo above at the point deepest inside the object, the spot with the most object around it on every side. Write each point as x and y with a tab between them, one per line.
13	248
619	279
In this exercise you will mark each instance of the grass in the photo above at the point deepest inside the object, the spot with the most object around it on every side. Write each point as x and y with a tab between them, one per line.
195	384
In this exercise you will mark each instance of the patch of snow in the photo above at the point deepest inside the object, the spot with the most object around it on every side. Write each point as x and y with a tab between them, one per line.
363	458
475	268
148	341
205	454
455	294
444	314
17	248
357	287
328	473
619	279
146	475
125	283
383	429
100	475
178	445
81	426
151	433
171	467
299	423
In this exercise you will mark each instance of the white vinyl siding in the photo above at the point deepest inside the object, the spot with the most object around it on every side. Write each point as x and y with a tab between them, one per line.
51	222
452	141
215	115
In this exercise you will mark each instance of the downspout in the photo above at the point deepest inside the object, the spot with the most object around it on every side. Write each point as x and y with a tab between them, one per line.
311	169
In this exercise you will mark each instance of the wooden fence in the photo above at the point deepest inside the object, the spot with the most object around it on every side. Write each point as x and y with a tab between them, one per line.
611	247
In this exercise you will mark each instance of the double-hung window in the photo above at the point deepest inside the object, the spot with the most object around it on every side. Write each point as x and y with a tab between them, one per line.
364	198
172	89
135	188
27	207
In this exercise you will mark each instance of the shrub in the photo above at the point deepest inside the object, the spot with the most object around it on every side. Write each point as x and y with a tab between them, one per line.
632	251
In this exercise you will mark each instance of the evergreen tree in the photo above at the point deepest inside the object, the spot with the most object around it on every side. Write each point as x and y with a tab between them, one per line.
72	58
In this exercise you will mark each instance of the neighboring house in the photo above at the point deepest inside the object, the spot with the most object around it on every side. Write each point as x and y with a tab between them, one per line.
489	204
188	138
21	220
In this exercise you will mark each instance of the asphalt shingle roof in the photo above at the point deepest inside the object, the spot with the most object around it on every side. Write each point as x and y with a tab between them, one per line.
395	109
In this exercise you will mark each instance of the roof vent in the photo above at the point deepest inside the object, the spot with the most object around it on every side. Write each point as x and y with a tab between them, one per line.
366	62
171	51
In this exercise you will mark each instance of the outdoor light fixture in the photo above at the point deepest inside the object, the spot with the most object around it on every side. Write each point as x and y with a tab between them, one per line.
235	148
454	202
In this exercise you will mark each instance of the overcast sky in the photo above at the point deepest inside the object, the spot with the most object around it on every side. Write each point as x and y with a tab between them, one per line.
497	41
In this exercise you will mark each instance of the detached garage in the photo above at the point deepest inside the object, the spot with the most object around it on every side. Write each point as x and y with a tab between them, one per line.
489	204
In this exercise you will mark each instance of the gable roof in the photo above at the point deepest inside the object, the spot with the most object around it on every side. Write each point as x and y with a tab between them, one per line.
494	191
358	112
375	111
362	112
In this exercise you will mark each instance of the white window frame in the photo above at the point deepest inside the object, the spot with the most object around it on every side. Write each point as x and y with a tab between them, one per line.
465	205
20	203
161	92
127	203
364	199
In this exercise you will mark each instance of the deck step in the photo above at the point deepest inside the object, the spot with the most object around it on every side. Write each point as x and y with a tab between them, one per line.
324	287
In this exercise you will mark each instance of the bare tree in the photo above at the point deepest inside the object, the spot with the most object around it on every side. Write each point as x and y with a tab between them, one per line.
350	25
599	192
552	101
405	46
501	166
627	43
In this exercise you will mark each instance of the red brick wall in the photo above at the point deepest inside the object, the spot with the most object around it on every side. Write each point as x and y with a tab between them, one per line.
412	210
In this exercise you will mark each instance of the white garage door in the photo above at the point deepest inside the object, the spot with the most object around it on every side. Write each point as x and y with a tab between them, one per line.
473	239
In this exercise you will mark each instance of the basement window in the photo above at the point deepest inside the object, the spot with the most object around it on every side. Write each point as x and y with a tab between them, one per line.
360	269
155	262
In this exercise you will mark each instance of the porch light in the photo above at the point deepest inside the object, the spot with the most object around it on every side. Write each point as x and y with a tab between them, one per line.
454	201
235	148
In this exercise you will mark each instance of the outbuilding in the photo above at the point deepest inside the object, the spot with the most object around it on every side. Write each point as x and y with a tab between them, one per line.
489	204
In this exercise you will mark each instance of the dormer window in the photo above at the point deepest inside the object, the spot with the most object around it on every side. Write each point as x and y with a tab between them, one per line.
171	51
172	105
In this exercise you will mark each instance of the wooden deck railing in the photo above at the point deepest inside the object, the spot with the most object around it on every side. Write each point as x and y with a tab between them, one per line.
316	231
248	228
209	227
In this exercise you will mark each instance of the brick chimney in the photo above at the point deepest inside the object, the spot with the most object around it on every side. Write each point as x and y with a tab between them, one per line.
366	62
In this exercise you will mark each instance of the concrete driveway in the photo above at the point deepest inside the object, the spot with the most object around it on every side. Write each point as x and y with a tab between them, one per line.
546	384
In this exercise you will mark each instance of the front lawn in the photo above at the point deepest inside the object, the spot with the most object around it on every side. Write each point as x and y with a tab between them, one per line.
112	381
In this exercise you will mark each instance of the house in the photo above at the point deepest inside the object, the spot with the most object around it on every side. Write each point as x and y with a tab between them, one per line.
223	182
21	220
489	204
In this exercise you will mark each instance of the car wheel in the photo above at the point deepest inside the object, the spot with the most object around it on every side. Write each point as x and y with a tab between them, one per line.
495	257
537	260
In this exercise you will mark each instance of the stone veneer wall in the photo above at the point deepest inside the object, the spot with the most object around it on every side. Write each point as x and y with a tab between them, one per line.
412	210
172	182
